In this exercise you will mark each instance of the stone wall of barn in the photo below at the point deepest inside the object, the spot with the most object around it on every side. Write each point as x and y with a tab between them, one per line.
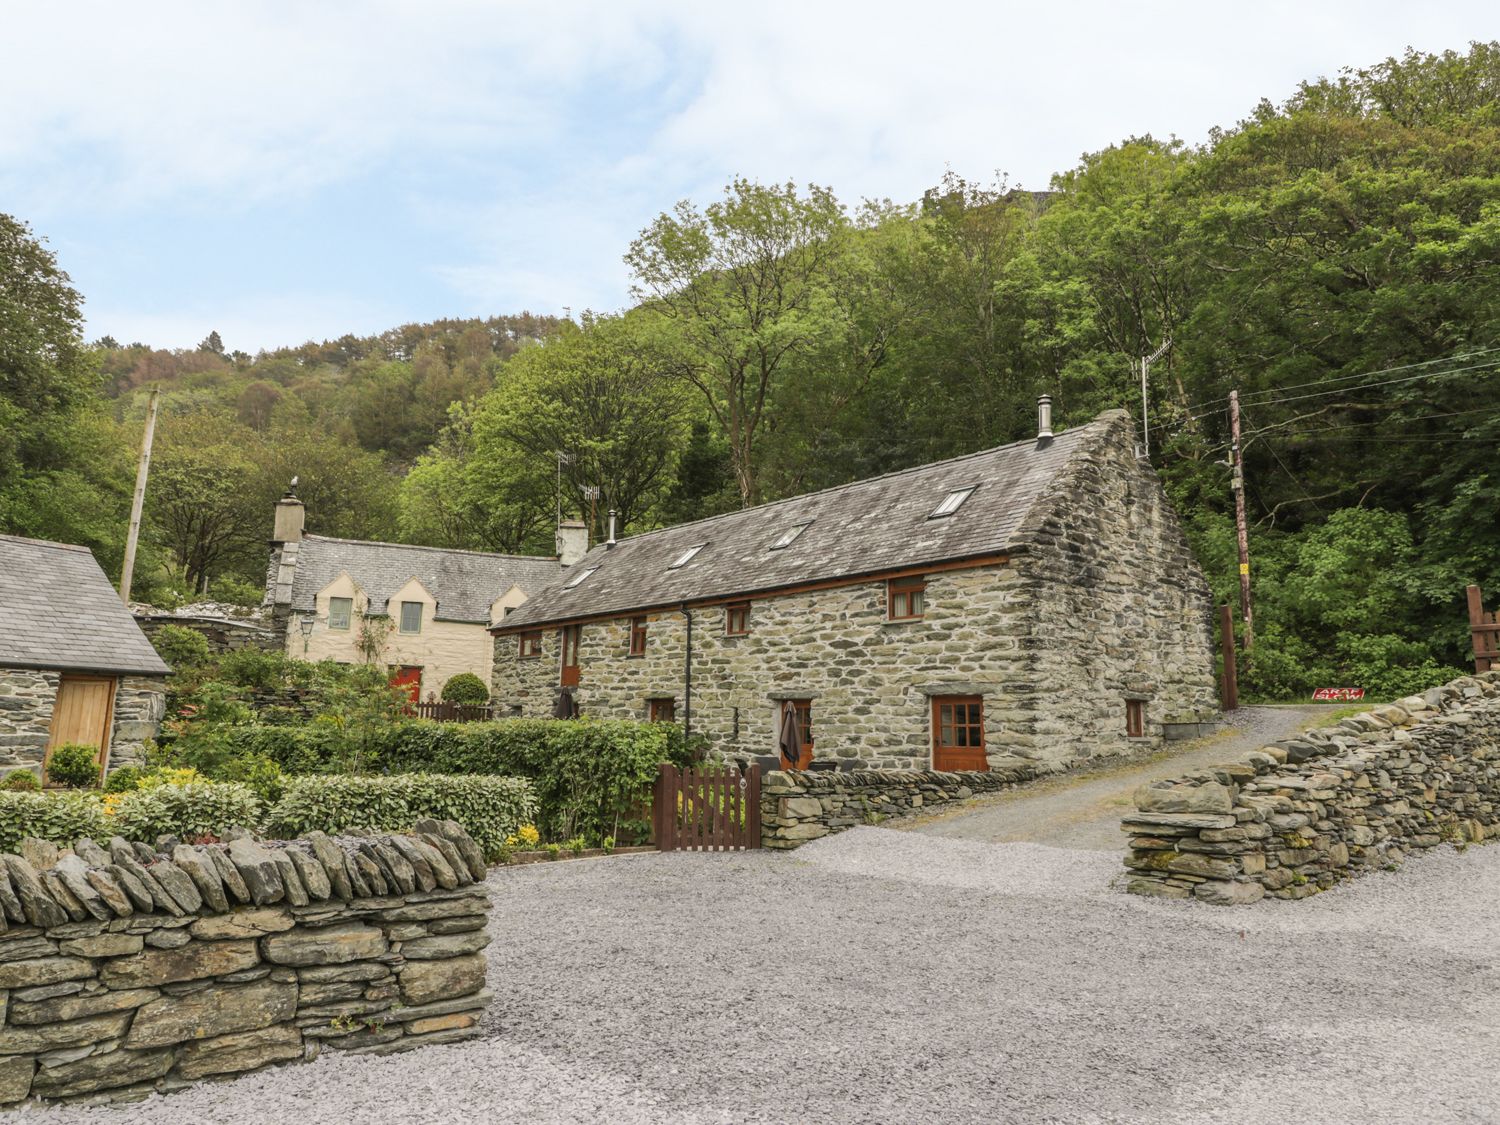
126	971
26	698
140	705
1108	606
1119	609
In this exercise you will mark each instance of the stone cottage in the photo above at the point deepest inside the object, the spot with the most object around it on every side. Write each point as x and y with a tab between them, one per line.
74	666
1035	603
424	611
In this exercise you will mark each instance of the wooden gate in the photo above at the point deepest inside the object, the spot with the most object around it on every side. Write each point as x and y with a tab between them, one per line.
706	808
1485	629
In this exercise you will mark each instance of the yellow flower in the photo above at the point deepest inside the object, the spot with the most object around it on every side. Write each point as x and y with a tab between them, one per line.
529	834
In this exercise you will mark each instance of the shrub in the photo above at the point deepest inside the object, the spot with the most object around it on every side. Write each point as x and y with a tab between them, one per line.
590	777
21	780
59	817
74	765
124	779
465	688
195	809
181	647
489	808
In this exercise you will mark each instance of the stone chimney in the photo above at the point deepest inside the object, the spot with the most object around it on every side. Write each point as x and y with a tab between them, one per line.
290	515
572	541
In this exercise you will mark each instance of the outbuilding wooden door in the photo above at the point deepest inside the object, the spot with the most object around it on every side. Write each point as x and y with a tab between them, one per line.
570	637
83	713
958	733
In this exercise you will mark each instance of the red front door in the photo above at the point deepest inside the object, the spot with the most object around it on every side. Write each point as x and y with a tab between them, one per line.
408	678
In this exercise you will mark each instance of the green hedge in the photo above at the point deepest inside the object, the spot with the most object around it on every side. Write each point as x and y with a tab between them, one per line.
58	817
590	777
197	809
489	808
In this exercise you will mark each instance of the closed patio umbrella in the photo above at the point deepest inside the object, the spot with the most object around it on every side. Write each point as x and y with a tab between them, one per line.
564	708
791	736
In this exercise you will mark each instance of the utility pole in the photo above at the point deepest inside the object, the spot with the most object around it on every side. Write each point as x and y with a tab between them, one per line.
1240	530
138	501
1146	362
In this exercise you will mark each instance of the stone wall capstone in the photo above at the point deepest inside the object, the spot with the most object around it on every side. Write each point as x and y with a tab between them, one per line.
801	805
1295	817
126	970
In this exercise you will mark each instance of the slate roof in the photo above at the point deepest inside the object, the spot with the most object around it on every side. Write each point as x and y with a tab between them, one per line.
58	610
874	525
465	583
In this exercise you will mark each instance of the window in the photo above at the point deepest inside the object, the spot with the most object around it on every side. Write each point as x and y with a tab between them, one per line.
686	556
637	636
958	733
905	598
411	617
737	619
952	502
789	536
1135	718
340	610
531	645
578	578
803	707
662	710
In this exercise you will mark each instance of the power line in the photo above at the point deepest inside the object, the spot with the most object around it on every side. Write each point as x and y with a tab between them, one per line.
1274	428
1251	397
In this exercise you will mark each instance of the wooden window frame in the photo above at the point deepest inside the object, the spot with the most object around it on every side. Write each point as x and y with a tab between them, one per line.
529	645
348	618
803	708
970	724
1135	718
636	637
401	619
904	594
737	619
661	710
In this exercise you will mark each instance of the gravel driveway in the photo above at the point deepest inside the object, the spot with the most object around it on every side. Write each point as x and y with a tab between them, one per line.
1083	809
881	976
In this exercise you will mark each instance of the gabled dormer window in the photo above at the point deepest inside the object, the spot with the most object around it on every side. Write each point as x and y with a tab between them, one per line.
686	556
952	502
578	578
789	536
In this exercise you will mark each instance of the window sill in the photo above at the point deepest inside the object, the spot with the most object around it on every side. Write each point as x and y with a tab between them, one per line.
903	620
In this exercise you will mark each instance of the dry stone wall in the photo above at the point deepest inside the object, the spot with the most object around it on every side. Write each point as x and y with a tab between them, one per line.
801	805
127	969
1298	816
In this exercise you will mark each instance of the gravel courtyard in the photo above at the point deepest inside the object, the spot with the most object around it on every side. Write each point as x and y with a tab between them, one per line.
882	976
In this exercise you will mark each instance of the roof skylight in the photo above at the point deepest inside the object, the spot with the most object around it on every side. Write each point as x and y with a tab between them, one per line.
952	502
686	556
789	536
578	578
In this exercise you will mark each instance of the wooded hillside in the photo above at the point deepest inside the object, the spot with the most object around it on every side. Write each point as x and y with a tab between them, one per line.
1334	257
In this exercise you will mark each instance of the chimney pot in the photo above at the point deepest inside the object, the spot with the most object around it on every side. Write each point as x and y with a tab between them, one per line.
610	542
1044	418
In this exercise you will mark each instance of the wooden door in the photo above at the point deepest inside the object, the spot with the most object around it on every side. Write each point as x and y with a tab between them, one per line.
802	708
83	713
958	733
408	678
570	655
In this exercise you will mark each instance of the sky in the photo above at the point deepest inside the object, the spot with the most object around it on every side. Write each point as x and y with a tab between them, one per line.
288	170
